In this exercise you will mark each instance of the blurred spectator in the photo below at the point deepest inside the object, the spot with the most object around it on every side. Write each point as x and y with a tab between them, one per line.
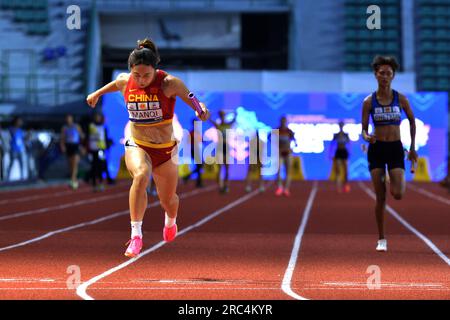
2	152
222	150
97	147
71	137
98	143
256	146
286	136
196	155
109	144
48	156
446	181
17	146
33	149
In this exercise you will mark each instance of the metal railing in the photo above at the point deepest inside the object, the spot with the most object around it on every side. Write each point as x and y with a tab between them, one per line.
34	91
237	5
26	83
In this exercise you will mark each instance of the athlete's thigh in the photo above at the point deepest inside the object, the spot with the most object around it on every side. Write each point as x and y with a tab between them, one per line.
378	181
344	164
288	161
166	178
397	177
339	163
137	161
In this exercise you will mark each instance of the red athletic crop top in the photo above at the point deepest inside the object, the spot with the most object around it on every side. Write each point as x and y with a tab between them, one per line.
149	105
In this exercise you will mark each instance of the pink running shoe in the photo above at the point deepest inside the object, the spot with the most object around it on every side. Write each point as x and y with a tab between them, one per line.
279	191
287	193
347	188
170	233
134	247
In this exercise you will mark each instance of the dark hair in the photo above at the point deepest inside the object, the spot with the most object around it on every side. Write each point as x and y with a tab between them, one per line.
145	53
385	60
15	120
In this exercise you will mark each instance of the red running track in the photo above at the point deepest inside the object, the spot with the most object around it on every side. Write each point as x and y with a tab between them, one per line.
241	248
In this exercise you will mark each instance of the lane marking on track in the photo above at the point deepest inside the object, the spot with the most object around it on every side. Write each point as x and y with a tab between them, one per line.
30	280
375	290
420	235
53	195
123	193
92	222
429	194
81	290
43	196
286	284
384	285
225	284
146	288
359	287
13	189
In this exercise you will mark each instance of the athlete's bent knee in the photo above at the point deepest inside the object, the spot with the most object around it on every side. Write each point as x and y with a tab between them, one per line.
167	202
140	180
397	195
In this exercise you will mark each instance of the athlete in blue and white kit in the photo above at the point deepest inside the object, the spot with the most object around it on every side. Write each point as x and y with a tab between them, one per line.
71	136
340	141
385	107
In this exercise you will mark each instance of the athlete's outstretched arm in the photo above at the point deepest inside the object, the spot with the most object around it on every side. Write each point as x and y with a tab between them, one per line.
176	87
292	137
412	155
367	104
117	85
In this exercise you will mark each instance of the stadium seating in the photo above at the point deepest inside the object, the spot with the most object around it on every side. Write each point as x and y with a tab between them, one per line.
433	44
362	44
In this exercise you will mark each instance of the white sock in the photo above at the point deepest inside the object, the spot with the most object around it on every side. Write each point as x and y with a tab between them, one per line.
169	222
136	229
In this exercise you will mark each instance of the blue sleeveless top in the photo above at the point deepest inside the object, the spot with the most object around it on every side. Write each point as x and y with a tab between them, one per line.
17	139
72	134
386	115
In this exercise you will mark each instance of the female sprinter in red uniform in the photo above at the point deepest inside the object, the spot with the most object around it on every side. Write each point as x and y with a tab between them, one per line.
385	106
150	95
286	136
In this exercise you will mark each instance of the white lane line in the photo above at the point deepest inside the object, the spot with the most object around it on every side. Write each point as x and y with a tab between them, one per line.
384	284
277	288
92	222
421	236
151	288
378	290
43	196
429	194
52	195
14	189
286	284
81	290
123	193
29	280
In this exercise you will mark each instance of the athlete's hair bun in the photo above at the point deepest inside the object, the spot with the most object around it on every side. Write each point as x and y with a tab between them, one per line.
147	43
145	53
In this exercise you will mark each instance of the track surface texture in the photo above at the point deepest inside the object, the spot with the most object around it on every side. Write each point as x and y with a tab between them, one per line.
315	244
